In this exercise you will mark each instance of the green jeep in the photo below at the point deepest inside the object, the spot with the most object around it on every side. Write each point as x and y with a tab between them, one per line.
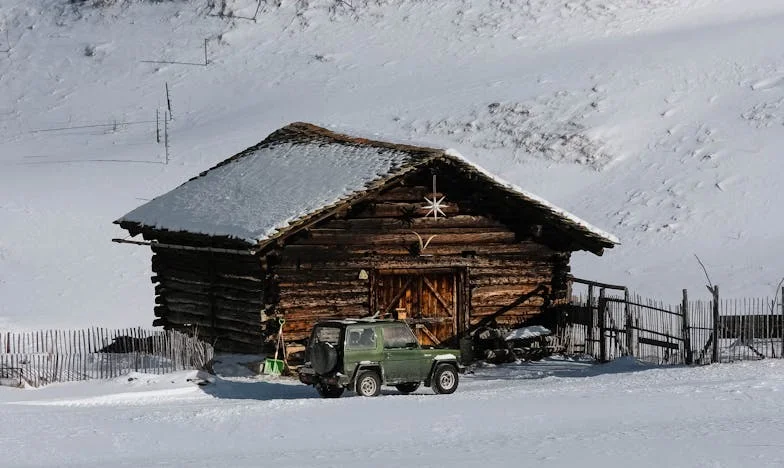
362	355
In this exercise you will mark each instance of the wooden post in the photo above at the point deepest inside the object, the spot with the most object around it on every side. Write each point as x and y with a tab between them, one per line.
98	344
206	62
591	320
686	328
627	311
79	353
715	356
56	355
166	117
168	101
601	311
781	324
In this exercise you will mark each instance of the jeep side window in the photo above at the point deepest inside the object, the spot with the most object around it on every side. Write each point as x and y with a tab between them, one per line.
361	338
399	336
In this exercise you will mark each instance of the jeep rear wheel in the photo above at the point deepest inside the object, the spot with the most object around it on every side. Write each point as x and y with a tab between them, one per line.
368	384
445	379
329	391
408	387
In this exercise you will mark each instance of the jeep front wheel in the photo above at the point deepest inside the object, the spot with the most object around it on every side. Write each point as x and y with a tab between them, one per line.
329	391
445	379
408	387
368	384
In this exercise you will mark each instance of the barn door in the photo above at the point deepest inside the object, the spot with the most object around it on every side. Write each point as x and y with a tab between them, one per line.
427	300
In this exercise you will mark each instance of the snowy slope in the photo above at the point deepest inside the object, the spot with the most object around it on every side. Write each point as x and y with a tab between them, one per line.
550	414
658	120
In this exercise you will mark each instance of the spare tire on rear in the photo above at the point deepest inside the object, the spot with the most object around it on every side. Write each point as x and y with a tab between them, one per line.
323	358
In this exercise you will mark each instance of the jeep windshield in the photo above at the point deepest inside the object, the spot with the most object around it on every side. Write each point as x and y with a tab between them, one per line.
399	336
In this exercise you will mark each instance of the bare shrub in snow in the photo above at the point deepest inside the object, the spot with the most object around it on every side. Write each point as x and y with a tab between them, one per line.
542	130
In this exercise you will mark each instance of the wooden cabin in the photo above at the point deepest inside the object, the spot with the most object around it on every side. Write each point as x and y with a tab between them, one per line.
310	224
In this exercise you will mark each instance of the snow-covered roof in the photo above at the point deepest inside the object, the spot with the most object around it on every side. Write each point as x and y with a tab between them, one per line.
297	175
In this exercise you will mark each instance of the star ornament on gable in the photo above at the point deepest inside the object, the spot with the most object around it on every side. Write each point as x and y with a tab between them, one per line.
435	204
434	207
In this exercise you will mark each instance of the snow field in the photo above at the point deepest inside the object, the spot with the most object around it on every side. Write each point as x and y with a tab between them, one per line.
553	413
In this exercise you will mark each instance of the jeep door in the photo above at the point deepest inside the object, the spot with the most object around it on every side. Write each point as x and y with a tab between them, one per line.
362	345
403	359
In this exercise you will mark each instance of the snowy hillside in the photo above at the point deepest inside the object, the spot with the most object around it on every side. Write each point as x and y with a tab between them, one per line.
661	121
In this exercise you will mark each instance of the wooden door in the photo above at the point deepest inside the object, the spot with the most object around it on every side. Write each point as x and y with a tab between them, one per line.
428	300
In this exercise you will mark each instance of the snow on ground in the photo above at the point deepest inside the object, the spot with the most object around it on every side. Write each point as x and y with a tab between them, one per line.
553	413
532	331
657	120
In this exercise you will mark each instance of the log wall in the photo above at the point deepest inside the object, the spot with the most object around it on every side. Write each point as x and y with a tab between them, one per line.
316	274
497	254
219	296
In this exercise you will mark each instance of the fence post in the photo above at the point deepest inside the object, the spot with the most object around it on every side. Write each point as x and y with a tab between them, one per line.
591	322
627	311
602	326
686	328
781	324
715	356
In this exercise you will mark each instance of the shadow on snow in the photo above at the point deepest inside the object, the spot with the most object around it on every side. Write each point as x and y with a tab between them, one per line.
559	368
289	389
258	390
265	390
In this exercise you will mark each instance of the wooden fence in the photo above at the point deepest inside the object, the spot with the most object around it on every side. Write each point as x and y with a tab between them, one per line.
744	329
42	357
692	332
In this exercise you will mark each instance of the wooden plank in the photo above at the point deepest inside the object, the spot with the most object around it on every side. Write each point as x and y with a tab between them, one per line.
414	193
527	310
325	301
396	298
649	307
393	209
429	334
167	296
302	255
321	290
355	263
446	306
394	230
357	224
511	282
658	343
503	291
460	237
240	287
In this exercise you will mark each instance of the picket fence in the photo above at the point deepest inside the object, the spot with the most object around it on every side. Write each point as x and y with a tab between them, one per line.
42	357
692	332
